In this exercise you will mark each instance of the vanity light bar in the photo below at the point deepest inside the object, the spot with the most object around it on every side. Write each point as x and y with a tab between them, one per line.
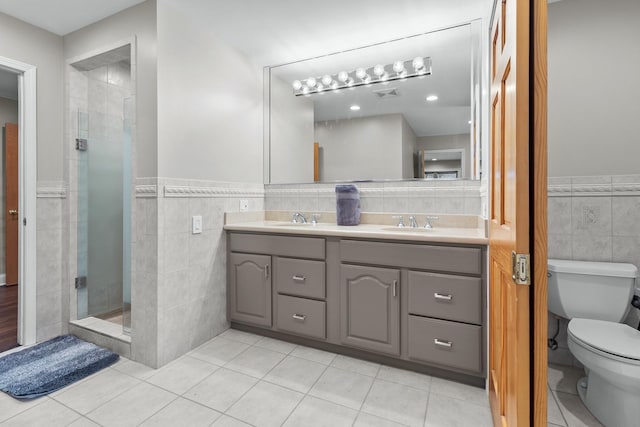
399	70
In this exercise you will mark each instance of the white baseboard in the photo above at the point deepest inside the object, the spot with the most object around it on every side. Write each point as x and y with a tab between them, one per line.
3	279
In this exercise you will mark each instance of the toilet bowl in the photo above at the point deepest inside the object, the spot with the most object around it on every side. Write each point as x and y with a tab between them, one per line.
610	353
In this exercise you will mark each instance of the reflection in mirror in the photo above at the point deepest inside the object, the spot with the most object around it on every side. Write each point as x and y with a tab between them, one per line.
376	113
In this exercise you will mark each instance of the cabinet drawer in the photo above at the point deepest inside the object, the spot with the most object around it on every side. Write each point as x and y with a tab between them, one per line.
445	296
301	278
301	316
268	244
426	257
445	343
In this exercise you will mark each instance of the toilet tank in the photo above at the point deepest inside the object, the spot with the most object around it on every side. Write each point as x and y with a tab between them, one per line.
590	290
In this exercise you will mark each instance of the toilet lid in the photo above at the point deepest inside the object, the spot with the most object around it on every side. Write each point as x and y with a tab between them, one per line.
613	338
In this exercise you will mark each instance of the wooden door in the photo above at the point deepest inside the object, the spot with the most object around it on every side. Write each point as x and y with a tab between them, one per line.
517	213
11	203
370	308
250	288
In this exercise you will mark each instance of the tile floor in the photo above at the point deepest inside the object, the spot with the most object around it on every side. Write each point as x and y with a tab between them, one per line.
241	379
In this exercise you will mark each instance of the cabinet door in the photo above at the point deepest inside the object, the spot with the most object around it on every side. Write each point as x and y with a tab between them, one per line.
370	308
250	288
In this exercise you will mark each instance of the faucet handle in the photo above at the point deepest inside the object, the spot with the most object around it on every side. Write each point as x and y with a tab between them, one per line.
314	219
400	220
428	220
412	222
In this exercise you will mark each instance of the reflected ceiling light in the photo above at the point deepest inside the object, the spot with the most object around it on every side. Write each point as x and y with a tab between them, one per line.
434	160
354	108
364	76
432	98
469	122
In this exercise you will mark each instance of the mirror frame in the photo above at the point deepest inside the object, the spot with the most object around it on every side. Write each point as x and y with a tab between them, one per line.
476	154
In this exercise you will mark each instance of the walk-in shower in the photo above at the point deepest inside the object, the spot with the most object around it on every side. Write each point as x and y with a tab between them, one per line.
101	97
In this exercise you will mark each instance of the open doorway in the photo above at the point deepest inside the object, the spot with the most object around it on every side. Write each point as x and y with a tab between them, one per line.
9	211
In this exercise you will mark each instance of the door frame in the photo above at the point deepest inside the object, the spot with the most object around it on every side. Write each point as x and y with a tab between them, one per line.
27	164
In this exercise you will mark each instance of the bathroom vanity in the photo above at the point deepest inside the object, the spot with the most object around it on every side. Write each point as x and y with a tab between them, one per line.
413	298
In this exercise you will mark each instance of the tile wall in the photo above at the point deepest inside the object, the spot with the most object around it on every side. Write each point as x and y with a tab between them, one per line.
593	218
419	197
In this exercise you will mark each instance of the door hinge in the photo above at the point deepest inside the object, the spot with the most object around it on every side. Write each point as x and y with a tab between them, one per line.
521	272
81	144
81	282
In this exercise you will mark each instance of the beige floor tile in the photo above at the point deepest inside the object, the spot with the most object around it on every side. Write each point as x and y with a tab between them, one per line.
460	391
227	421
564	378
368	420
265	405
554	415
255	361
342	387
221	389
275	345
313	354
397	402
401	376
83	422
135	369
10	407
445	411
241	336
574	411
182	374
219	351
314	412
132	407
48	413
296	373
355	365
98	390
183	412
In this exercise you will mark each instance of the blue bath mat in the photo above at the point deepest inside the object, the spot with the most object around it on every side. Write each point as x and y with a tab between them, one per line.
50	366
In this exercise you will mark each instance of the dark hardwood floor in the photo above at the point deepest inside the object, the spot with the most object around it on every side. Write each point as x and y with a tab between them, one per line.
8	317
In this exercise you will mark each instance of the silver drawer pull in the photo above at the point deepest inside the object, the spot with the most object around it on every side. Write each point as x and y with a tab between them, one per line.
297	278
443	297
447	344
301	317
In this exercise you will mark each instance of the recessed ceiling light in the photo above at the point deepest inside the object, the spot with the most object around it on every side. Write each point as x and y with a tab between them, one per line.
355	107
432	98
469	122
434	160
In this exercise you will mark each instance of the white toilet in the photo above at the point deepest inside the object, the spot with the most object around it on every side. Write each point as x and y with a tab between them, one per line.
596	296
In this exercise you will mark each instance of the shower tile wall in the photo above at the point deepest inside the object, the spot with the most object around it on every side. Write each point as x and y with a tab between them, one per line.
49	267
183	273
593	218
419	197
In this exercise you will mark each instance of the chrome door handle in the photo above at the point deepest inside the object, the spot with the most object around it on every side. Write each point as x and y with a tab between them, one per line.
13	212
395	288
443	297
300	317
297	278
266	271
447	344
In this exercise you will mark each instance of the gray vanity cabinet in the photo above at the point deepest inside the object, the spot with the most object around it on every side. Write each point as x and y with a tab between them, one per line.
250	290
370	308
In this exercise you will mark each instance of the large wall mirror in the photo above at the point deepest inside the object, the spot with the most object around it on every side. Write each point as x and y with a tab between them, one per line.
405	109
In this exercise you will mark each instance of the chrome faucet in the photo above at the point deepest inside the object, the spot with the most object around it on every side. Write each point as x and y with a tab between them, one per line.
428	219
412	222
314	219
298	218
400	220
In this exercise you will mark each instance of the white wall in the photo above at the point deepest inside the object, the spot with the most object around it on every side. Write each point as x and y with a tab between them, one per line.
594	87
445	142
292	135
139	22
26	43
408	149
363	148
209	103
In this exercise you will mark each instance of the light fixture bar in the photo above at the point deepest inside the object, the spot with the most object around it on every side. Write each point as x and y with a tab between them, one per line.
399	70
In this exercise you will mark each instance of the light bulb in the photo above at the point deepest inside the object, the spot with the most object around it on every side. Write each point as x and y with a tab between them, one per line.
305	90
327	79
311	82
343	76
367	79
349	82
334	85
378	70
418	63
354	108
432	98
361	73
297	85
384	76
320	87
398	67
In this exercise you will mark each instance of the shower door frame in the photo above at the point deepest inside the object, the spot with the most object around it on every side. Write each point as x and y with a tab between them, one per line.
27	170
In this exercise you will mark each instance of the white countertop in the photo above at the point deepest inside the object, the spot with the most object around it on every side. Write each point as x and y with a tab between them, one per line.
463	235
